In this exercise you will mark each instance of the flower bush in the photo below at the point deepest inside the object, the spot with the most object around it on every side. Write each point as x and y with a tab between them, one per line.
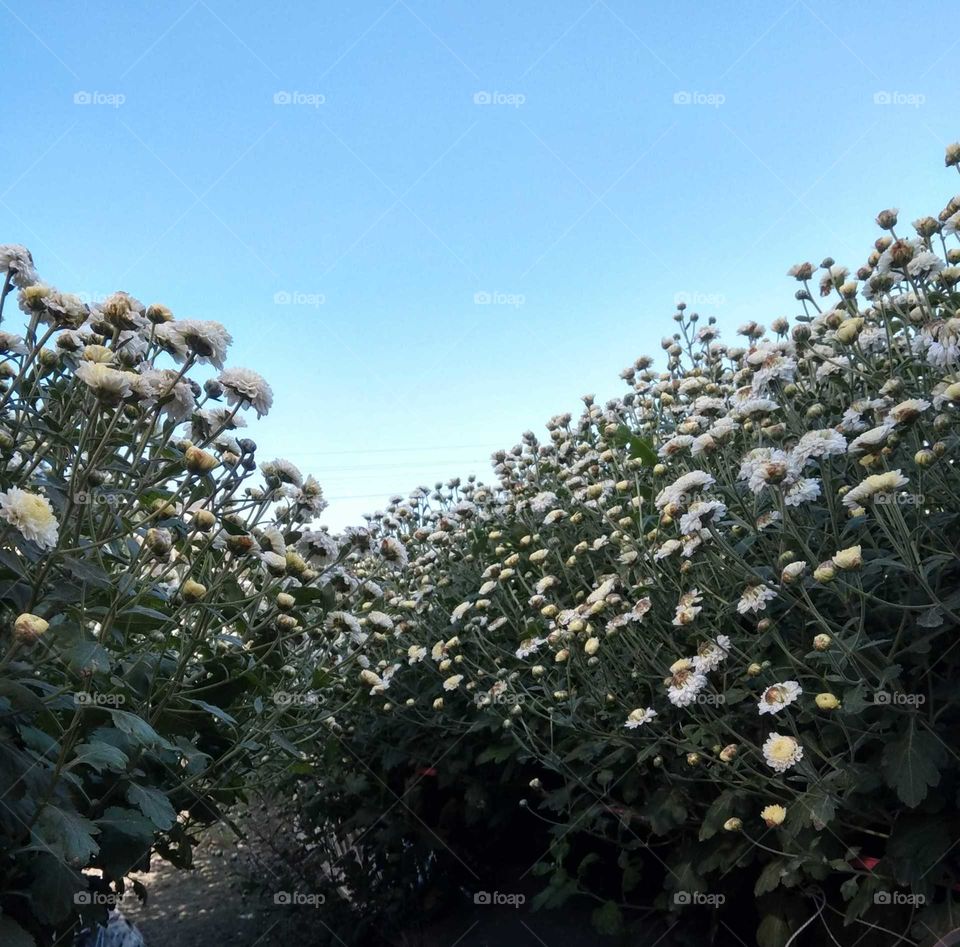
162	617
690	657
712	623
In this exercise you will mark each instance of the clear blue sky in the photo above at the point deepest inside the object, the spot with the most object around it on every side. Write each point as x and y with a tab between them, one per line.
337	153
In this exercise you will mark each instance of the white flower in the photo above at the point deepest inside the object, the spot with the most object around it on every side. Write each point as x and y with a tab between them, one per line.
684	684
781	752
32	515
876	485
19	263
871	440
543	502
778	696
803	491
529	646
394	551
415	654
908	410
161	387
767	465
823	443
282	470
638	717
711	654
205	339
107	383
452	682
700	512
244	385
755	599
682	489
688	607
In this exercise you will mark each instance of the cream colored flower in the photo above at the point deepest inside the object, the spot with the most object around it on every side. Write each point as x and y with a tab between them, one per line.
640	716
32	515
244	386
781	752
452	682
849	558
778	696
773	816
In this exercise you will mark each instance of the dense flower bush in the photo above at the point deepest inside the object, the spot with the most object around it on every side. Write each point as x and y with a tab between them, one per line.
159	612
712	624
691	658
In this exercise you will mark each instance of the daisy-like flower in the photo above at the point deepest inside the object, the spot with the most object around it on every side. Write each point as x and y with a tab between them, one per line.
415	654
318	547
543	502
452	682
640	716
161	387
682	490
32	515
755	599
765	466
205	339
245	386
393	551
773	816
688	607
685	683
529	646
805	490
711	654
17	261
781	752
108	384
909	410
823	443
778	696
668	549
282	470
871	440
875	486
700	513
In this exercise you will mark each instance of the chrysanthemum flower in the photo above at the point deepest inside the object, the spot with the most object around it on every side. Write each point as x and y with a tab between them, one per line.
778	696
781	752
640	716
32	515
773	816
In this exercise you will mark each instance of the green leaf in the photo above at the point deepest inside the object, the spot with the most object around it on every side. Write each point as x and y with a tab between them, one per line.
773	932
127	822
216	711
67	834
137	729
770	877
911	764
153	804
13	935
100	756
53	888
607	918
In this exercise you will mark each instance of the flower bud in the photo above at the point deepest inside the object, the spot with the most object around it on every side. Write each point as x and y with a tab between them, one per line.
285	601
28	628
827	701
822	642
199	461
193	591
204	520
733	825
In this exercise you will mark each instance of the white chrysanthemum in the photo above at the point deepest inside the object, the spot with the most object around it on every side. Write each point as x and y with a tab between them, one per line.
543	502
711	654
638	717
529	646
32	515
17	260
871	440
682	490
699	513
452	682
688	607
205	339
823	443
282	470
684	685
164	388
781	752
106	383
877	485
243	385
755	599
318	547
778	696
415	654
765	466
668	549
908	410
803	491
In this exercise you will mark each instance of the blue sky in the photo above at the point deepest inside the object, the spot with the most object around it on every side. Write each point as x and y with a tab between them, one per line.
431	225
